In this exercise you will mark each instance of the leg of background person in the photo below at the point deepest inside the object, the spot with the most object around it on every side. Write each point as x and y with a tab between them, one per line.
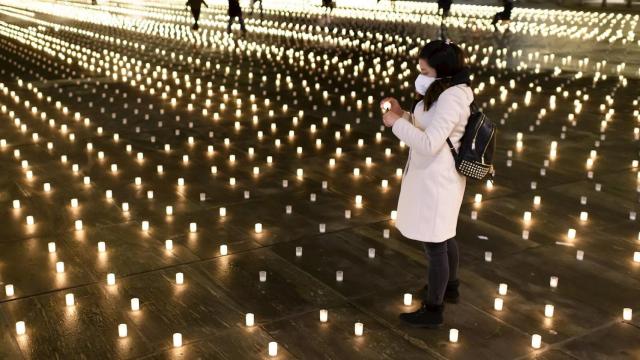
454	258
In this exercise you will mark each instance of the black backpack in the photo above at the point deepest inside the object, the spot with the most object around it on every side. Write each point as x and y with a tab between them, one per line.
475	156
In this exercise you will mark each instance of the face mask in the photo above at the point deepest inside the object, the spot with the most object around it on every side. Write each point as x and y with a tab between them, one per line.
423	82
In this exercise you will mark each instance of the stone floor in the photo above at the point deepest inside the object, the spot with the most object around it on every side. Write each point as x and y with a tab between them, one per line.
121	129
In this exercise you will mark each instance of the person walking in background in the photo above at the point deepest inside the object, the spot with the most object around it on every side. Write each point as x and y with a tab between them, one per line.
445	6
504	15
195	6
432	189
235	11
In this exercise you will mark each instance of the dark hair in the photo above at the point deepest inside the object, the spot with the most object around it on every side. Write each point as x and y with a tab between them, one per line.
448	60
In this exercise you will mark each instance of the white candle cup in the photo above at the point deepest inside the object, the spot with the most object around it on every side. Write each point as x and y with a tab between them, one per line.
177	340
580	255
273	348
408	299
324	315
60	267
168	244
258	228
263	276
502	289
527	216
339	276
359	329
453	335
536	341
372	253
8	290
223	212
224	250
111	279
498	304
347	214
102	246
122	330
627	314
135	304
298	251
636	256
249	319
69	299
21	328
488	256
51	247
193	227
179	278
322	228
571	234
553	281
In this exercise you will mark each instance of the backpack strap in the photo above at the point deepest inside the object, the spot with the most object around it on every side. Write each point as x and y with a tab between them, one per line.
452	148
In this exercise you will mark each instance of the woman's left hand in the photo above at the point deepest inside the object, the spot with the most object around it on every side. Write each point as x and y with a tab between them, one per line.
390	118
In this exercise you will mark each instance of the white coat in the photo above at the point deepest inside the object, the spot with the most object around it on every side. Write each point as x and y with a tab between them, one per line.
432	189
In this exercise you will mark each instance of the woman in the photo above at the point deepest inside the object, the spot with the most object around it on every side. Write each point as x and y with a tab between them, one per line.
432	189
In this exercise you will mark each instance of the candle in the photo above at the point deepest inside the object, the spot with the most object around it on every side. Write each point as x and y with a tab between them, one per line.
69	299
580	255
372	253
298	251
179	278
111	279
502	289
102	247
537	200
536	341
8	289
408	299
145	225
135	304
359	329
78	225
21	328
339	276
223	250
273	348
488	256
571	234
627	314
258	228
584	216
168	244
324	315
527	216
193	227
122	330
548	310
249	319
51	247
59	267
30	220
553	281
358	200
453	335
263	276
177	340
497	304
16	204
223	212
169	210
74	203
478	198
636	256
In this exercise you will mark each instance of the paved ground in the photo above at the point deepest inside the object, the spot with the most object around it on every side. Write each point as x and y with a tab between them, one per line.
156	132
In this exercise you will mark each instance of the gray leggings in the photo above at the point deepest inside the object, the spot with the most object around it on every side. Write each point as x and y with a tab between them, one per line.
443	267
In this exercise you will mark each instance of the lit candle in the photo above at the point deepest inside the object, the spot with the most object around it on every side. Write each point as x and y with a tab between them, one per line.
193	227
223	250
408	299
627	314
584	216
298	251
358	200
21	328
488	256
636	256
135	304
553	281
111	279
548	310
8	289
536	341
359	329
339	276
478	198
571	234
177	340
102	247
69	299
324	315
580	255
51	247
122	330
527	216
258	228
263	276
223	212
168	244
502	289
179	278
59	267
273	348
453	335
249	319
497	304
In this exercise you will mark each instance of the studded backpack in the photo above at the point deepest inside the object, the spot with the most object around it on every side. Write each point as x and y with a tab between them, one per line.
474	159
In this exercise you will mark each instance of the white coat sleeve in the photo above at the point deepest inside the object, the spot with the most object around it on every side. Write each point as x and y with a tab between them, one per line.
446	116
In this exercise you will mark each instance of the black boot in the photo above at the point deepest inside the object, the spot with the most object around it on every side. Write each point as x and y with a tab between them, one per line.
451	294
428	316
